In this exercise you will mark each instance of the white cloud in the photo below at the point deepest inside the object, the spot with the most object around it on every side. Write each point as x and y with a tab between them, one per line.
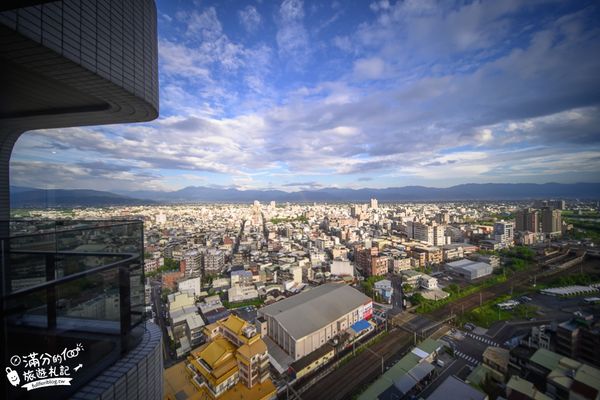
292	37
369	68
250	18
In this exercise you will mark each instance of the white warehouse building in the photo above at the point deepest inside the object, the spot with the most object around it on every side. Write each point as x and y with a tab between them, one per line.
470	269
302	323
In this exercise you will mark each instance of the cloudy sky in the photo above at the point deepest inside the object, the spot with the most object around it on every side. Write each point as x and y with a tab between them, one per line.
295	95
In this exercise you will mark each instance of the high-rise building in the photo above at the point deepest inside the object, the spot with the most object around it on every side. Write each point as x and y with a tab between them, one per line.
439	235
527	220
556	204
504	232
73	63
214	262
419	231
551	220
193	263
374	204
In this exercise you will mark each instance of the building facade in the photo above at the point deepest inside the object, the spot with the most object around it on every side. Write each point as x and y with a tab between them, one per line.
63	64
527	220
302	323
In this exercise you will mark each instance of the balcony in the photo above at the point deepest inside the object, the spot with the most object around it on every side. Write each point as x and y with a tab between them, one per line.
66	283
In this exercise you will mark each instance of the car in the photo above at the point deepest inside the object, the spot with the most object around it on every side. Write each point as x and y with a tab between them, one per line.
469	326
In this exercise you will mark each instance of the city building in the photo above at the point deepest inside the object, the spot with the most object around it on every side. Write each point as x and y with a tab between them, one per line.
470	269
399	264
518	388
371	263
239	292
556	204
214	262
194	285
185	329
212	309
65	64
383	290
527	220
497	359
342	268
428	282
551	221
562	377
312	362
579	338
504	232
408	376
304	322
234	363
457	389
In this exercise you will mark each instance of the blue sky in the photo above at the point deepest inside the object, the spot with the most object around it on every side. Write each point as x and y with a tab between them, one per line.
304	94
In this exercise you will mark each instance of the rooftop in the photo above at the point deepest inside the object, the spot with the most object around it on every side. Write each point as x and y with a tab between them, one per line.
331	300
468	264
458	389
525	387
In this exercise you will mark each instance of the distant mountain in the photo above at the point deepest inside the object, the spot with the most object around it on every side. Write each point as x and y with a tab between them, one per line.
470	191
21	197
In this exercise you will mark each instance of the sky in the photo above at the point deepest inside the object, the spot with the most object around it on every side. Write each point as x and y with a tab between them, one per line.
297	95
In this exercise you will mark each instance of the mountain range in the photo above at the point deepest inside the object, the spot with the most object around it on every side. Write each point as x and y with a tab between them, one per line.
31	197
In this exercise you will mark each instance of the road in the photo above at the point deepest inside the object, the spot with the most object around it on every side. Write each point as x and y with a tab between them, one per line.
453	369
348	379
169	358
519	281
397	293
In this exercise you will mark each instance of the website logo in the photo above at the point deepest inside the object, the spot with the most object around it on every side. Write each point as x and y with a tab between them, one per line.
36	370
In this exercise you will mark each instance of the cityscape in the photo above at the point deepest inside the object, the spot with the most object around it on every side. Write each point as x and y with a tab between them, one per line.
268	300
299	200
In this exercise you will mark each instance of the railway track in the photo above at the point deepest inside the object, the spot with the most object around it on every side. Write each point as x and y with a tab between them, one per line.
520	280
343	382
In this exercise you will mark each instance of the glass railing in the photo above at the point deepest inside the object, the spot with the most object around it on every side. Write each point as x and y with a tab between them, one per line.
68	285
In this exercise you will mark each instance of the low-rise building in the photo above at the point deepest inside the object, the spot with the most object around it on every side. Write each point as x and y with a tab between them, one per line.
383	291
497	358
233	362
408	376
518	388
304	322
193	284
342	268
312	362
239	293
562	377
470	269
457	389
428	282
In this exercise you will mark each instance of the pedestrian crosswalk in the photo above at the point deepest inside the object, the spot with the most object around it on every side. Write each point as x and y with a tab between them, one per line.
482	339
470	359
